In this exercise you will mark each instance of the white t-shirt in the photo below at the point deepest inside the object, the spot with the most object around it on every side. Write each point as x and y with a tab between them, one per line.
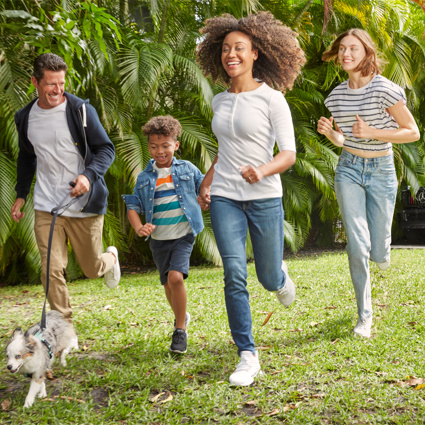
370	103
58	160
247	126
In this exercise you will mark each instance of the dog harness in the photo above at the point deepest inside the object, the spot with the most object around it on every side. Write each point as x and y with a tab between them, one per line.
39	335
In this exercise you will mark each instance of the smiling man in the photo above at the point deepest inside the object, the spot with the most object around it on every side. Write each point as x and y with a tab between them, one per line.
61	140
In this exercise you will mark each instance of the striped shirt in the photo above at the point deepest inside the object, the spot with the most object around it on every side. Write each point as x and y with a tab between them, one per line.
168	217
370	103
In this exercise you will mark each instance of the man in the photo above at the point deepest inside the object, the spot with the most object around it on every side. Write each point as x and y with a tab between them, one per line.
62	140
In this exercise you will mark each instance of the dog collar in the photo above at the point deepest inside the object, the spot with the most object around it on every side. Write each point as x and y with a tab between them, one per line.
39	335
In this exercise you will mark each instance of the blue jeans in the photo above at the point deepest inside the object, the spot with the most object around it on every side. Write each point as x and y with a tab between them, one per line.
230	221
366	191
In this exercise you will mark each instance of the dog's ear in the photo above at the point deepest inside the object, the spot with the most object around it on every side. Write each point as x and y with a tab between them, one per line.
17	332
30	342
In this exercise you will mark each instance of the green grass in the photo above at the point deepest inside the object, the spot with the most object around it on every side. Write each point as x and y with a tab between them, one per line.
316	372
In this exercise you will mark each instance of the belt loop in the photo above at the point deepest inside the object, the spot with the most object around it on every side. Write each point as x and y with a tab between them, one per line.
354	159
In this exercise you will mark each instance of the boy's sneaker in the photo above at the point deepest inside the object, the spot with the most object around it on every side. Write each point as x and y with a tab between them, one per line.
113	276
186	322
246	370
286	295
179	342
383	266
363	328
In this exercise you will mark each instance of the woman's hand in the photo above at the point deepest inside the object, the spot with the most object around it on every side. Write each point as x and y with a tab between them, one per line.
145	230
251	174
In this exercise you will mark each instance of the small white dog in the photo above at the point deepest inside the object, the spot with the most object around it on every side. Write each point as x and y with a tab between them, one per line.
33	354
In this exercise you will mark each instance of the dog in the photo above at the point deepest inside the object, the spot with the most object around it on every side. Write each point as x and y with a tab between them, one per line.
33	354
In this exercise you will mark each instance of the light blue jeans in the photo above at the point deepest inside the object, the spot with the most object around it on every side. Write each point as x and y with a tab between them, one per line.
230	221
366	191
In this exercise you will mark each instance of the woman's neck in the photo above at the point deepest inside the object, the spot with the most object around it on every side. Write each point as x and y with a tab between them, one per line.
357	80
239	85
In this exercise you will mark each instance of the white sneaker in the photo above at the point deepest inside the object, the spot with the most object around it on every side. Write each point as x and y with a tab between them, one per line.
113	276
363	328
246	370
383	266
286	295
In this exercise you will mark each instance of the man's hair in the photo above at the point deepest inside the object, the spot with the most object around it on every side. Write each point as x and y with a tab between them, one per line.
370	64
164	125
48	62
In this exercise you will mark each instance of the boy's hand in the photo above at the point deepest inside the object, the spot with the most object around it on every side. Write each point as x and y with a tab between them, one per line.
204	198
145	230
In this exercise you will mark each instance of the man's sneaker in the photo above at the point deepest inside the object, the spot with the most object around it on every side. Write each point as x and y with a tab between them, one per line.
363	328
246	370
186	322
179	342
383	266
113	276
286	295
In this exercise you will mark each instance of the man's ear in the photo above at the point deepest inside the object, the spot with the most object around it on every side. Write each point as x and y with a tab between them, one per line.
34	81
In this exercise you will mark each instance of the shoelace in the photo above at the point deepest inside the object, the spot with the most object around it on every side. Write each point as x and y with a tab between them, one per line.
177	336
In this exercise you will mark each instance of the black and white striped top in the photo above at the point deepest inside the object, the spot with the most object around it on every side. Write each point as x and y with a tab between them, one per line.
370	103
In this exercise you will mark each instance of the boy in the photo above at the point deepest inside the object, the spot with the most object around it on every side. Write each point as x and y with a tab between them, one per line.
166	193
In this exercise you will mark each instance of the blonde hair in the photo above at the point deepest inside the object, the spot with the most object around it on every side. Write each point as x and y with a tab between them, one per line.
370	64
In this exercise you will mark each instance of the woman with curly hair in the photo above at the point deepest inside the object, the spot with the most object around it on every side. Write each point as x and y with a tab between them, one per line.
370	114
243	188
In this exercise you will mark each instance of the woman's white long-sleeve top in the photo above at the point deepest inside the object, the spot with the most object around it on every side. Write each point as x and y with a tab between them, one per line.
247	126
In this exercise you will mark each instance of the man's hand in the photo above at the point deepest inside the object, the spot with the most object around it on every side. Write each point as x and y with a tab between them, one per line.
82	185
16	213
145	230
361	130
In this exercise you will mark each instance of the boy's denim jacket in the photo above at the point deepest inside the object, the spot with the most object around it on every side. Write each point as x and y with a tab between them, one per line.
187	182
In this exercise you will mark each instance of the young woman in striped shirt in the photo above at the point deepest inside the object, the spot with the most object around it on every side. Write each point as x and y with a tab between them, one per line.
369	114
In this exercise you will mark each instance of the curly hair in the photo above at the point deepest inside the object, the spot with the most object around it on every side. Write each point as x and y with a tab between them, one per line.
280	57
164	125
370	64
48	62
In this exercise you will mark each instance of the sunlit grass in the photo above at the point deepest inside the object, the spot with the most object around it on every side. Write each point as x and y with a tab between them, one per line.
316	372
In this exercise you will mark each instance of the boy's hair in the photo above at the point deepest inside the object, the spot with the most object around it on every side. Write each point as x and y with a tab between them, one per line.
164	125
48	62
370	64
280	57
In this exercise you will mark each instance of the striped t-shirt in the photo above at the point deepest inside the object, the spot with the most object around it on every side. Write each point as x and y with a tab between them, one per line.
168	217
369	103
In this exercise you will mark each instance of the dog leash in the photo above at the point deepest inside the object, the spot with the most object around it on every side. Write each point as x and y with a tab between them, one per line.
55	213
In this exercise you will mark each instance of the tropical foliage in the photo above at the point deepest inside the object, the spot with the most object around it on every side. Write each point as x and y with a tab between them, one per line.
136	58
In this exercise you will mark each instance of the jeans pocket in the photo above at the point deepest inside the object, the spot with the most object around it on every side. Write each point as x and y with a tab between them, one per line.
386	168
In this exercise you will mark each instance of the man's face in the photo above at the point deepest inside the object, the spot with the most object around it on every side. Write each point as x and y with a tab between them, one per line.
50	89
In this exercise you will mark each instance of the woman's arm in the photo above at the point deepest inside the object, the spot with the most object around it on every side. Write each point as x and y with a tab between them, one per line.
204	199
406	133
324	126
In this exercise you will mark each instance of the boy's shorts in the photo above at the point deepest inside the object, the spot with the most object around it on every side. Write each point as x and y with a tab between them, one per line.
172	255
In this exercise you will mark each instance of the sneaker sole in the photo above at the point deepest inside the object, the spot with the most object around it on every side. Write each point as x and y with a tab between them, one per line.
178	351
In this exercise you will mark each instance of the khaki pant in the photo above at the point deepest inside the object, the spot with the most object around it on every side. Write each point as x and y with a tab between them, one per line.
85	237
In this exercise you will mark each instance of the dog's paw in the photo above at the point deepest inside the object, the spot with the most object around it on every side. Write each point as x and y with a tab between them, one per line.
28	403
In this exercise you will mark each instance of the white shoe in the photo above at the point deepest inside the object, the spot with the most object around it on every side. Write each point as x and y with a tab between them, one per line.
383	266
363	328
246	370
113	276
286	295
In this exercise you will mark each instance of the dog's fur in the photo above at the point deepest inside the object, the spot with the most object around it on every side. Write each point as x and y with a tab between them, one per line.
28	355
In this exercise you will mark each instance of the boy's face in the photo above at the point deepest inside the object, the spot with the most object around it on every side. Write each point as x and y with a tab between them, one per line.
162	149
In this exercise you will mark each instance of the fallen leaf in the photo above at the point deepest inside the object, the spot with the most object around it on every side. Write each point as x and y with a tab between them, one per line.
419	387
331	307
272	413
169	398
381	373
155	398
267	318
5	404
313	324
182	372
297	330
251	402
107	307
263	347
318	395
335	341
85	347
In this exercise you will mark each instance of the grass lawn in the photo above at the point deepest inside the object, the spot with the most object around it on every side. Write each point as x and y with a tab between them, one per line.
316	372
